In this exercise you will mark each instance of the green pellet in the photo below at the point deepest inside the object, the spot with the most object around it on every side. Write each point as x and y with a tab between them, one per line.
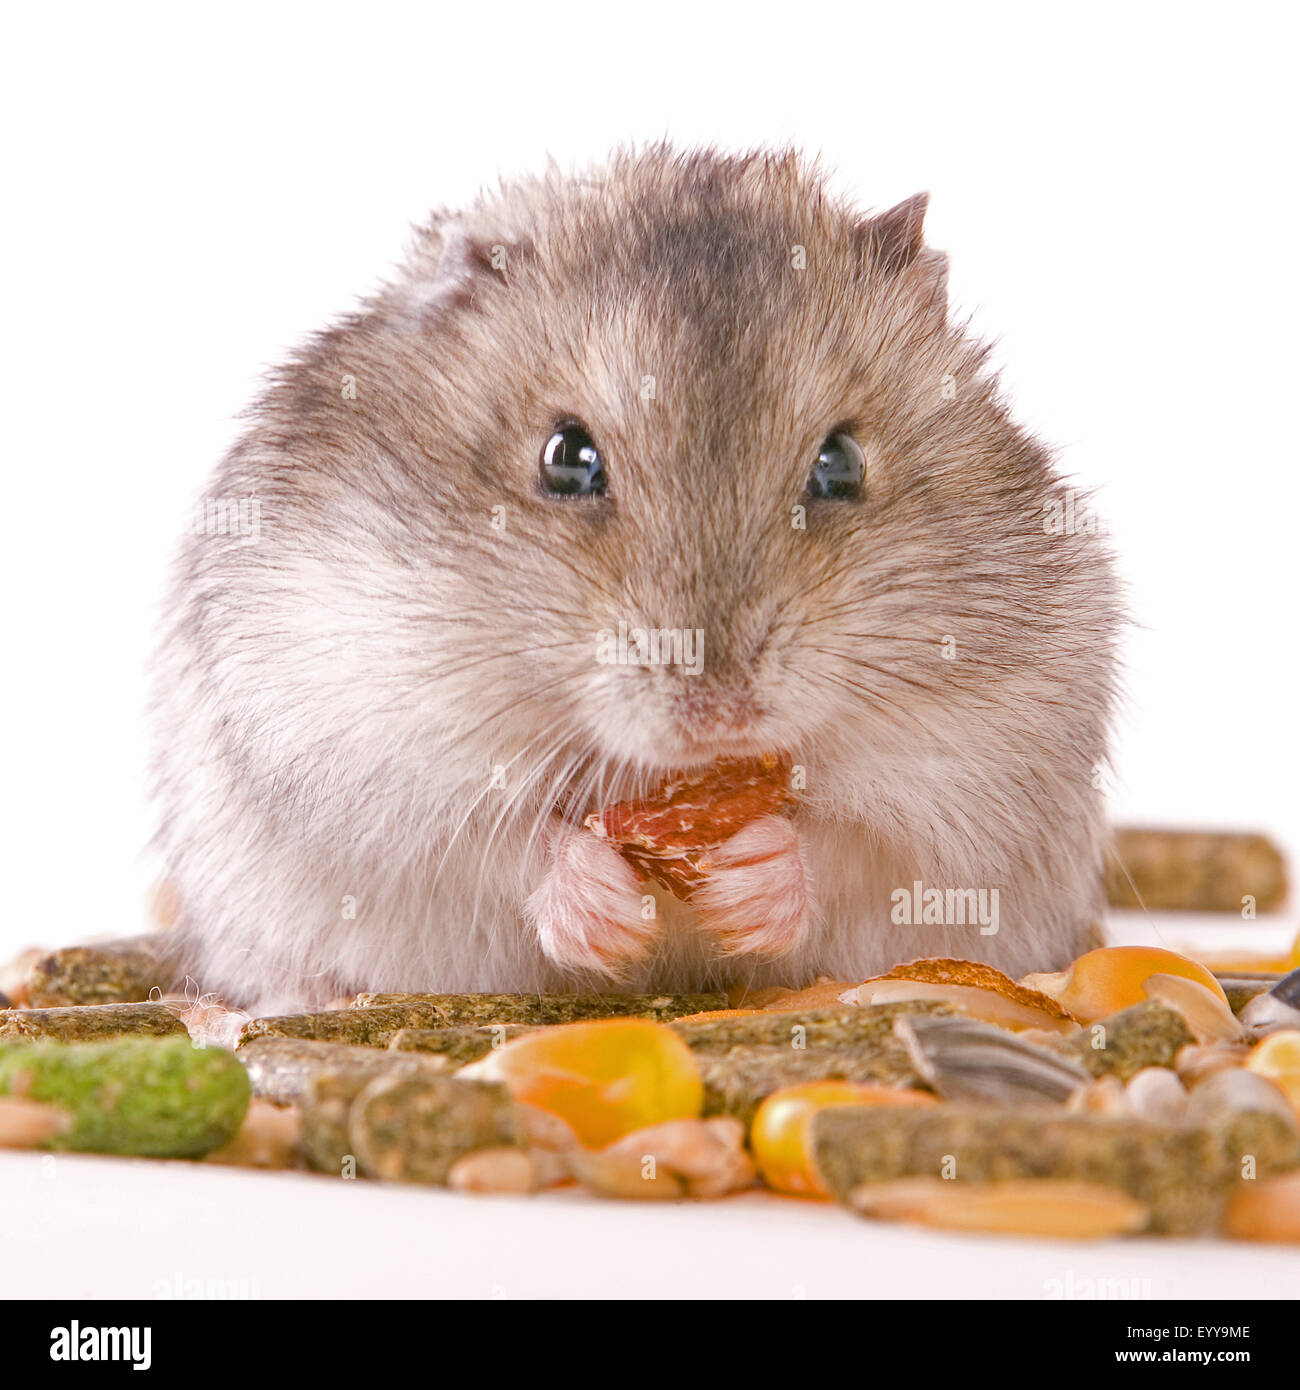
159	1097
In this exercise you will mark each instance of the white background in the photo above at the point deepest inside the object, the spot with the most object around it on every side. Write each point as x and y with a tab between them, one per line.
185	197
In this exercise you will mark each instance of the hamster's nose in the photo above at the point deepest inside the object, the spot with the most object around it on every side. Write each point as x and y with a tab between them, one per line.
705	710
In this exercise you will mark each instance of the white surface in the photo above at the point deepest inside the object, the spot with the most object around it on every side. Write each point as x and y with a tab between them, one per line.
134	1229
188	192
141	1229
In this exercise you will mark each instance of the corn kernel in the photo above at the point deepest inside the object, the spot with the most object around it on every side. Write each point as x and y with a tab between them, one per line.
1104	981
605	1078
780	1135
1278	1059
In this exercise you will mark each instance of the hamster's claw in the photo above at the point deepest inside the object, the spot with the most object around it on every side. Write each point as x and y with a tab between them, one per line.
755	896
587	911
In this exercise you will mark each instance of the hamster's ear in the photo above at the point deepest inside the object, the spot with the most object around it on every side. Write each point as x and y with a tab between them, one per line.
462	263
892	243
893	239
452	268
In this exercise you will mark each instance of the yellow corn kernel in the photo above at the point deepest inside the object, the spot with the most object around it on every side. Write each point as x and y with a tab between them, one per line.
605	1078
1104	981
780	1137
1278	1059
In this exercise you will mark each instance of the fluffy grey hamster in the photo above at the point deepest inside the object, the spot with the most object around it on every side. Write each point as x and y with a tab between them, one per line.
621	473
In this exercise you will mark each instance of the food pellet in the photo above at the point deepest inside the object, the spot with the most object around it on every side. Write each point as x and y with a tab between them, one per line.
89	1022
160	1097
1191	871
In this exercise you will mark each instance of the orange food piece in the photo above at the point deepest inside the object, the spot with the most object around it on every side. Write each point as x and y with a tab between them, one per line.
667	835
824	994
971	986
1268	1209
1278	1059
710	1014
605	1078
1228	964
1104	981
780	1136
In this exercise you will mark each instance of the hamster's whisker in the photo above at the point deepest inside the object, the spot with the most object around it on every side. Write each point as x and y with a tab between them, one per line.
515	803
597	584
924	642
939	738
505	654
1039	656
891	707
472	807
886	637
511	706
477	801
862	599
465	613
838	571
517	798
861	662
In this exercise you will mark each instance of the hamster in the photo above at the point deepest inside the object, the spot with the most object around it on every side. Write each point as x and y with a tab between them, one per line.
688	396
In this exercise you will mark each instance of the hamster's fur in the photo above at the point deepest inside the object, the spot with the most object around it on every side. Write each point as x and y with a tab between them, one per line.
380	713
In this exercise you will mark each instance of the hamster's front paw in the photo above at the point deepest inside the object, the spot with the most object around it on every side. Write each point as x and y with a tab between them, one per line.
588	909
755	896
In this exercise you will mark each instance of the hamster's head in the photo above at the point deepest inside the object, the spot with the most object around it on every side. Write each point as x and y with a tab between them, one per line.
680	459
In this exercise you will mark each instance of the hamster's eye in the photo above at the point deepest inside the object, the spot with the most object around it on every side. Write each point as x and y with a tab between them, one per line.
571	465
840	469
